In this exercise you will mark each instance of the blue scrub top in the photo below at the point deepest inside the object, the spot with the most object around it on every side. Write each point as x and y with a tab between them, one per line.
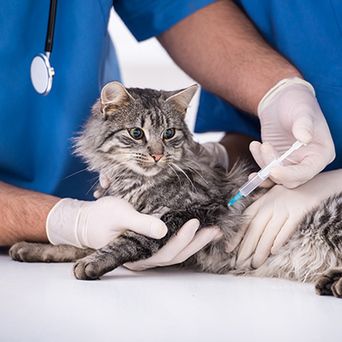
309	34
36	131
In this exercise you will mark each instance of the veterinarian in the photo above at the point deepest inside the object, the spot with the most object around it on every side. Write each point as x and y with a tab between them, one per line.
216	44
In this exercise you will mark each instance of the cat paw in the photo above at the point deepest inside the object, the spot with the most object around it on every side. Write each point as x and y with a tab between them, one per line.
330	283
87	269
21	251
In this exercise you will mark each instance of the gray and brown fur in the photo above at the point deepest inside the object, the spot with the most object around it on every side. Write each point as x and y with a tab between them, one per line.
181	186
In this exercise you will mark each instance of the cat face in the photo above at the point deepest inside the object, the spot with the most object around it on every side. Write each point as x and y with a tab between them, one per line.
143	129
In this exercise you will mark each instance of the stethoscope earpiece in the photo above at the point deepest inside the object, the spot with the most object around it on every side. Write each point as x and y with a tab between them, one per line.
42	74
41	70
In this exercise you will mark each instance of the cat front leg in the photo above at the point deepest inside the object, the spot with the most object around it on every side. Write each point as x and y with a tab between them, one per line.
42	252
330	283
129	247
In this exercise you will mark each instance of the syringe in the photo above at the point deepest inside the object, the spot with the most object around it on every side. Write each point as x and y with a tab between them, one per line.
262	175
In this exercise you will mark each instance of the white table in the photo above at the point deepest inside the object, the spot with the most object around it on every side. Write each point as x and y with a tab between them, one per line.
44	302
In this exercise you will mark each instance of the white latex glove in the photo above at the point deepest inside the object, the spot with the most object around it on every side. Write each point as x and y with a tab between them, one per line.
94	224
290	112
104	185
274	217
180	247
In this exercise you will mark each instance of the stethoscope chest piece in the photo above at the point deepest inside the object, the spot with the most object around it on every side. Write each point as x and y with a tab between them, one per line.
42	74
41	70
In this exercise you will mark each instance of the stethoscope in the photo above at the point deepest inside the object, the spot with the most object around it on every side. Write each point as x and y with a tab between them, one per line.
41	70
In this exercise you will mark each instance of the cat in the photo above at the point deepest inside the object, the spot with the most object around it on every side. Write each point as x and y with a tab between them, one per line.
138	138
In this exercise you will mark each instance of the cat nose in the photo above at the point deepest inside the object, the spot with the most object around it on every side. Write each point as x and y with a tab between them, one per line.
156	156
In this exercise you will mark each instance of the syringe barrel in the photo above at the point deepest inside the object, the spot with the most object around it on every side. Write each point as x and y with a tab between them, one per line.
263	174
251	185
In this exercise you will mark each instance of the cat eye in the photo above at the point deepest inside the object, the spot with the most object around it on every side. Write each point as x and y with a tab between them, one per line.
136	133
169	133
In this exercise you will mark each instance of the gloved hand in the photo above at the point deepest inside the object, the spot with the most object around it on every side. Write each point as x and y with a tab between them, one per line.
93	224
289	112
274	217
180	247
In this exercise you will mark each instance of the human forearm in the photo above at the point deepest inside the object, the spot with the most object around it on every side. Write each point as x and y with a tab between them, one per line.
23	214
220	48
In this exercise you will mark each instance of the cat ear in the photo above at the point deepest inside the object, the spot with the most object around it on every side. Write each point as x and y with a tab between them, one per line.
182	98
114	95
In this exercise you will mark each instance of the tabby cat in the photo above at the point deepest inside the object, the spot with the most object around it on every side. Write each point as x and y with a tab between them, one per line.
138	138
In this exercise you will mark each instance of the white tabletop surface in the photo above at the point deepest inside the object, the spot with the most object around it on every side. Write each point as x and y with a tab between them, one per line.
44	302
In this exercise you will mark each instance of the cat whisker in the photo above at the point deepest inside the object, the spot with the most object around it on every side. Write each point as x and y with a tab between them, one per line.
182	171
169	160
198	173
97	182
193	161
75	173
144	163
135	156
175	172
144	159
106	191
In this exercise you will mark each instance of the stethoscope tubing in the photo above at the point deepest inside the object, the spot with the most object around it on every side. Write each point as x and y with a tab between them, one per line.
51	26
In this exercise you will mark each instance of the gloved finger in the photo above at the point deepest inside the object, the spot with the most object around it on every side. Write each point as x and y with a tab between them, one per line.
201	239
172	248
145	224
254	148
268	183
303	128
248	215
97	194
238	237
140	265
292	176
268	153
254	231
263	249
263	153
104	181
283	236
